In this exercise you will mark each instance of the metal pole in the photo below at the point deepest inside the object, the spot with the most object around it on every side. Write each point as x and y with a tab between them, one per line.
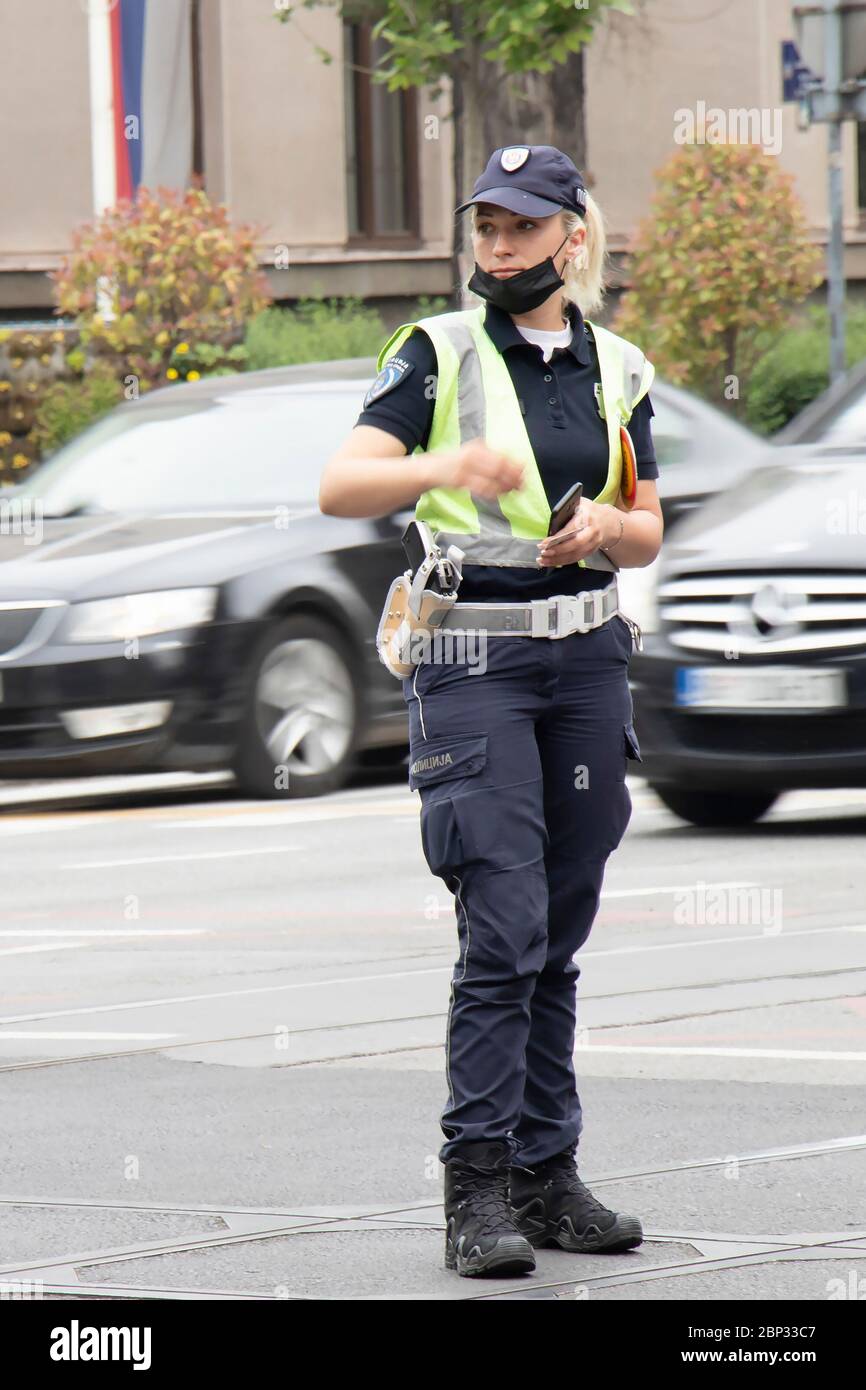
101	107
835	244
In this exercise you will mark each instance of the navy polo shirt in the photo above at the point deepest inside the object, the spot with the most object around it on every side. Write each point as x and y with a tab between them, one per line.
567	434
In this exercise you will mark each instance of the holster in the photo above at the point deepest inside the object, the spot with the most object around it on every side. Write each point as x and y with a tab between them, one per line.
409	618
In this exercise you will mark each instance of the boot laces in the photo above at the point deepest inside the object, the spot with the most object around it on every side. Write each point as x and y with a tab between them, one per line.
490	1191
562	1173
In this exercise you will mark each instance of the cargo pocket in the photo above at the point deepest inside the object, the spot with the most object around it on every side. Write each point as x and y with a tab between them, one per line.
631	748
440	838
448	757
438	770
504	827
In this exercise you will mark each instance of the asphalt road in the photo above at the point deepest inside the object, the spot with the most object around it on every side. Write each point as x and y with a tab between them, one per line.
222	1059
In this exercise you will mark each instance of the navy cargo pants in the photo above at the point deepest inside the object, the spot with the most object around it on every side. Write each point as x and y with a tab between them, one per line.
521	771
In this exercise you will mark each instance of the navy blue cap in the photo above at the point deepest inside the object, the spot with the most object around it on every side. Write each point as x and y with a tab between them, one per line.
536	180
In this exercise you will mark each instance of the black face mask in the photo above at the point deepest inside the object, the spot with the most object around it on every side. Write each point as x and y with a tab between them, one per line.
519	293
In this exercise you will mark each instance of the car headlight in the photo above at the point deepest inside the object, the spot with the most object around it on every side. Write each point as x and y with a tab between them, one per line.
637	595
139	615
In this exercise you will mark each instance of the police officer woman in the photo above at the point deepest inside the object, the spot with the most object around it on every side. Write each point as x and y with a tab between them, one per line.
519	743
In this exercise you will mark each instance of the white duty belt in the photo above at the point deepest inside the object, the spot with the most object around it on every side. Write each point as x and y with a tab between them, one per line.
543	617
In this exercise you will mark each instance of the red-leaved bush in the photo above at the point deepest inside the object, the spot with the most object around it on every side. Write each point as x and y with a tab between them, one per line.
160	286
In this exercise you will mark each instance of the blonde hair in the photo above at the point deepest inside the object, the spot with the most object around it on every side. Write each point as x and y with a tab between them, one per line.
584	282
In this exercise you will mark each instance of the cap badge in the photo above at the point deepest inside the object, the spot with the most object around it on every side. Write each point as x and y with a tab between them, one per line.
513	157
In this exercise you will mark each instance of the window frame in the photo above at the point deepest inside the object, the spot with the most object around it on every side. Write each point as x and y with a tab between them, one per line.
357	56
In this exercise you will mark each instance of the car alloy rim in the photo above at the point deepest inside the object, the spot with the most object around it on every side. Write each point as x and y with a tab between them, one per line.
305	706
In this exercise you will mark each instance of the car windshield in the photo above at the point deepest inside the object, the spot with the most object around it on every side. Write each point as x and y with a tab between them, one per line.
685	431
671	432
245	449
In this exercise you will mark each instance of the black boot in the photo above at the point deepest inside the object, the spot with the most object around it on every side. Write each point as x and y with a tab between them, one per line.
480	1234
552	1206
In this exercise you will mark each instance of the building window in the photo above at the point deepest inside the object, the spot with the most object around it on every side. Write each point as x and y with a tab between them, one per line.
861	169
381	147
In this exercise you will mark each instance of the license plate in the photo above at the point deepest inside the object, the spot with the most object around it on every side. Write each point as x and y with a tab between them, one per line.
758	687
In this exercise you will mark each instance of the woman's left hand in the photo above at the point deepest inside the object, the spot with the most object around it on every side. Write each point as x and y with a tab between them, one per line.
594	524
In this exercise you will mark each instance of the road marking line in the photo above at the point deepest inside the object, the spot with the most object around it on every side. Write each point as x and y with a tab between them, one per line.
297	813
675	888
300	815
28	950
100	931
221	994
120	782
89	1037
307	811
718	941
787	1054
180	858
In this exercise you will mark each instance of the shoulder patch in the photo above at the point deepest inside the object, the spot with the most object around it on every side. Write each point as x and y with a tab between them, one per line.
395	370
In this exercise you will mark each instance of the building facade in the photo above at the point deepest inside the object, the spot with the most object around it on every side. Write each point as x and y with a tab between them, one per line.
351	185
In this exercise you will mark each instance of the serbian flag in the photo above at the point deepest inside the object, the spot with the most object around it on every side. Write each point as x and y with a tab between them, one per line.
151	94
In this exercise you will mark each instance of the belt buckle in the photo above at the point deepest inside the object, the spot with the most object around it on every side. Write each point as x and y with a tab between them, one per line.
566	613
566	610
580	623
559	610
549	617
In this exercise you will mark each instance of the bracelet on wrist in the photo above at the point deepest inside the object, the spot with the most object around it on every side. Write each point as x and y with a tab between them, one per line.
606	548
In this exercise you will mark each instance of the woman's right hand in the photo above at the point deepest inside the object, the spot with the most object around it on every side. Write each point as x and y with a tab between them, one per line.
483	471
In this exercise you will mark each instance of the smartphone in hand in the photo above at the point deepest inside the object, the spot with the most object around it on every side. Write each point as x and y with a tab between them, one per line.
565	509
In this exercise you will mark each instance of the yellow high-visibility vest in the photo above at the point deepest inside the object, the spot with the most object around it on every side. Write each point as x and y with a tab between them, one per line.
475	398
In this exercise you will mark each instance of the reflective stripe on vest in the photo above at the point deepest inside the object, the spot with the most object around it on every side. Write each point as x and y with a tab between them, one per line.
475	398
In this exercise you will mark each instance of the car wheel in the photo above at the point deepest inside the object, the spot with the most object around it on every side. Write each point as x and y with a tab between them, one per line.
300	724
715	808
391	757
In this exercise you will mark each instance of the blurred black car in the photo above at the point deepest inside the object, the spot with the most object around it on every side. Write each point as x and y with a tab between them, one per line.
700	451
185	604
753	676
176	601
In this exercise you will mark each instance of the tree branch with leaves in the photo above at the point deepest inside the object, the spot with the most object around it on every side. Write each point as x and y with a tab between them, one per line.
480	49
717	265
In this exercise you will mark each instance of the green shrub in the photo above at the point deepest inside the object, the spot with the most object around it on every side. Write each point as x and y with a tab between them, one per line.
322	330
315	330
424	306
68	407
794	366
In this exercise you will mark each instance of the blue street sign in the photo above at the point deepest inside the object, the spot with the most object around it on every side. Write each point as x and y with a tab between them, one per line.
795	74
